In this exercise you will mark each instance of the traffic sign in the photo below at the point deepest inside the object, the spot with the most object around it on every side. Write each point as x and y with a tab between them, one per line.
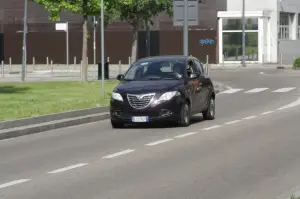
178	12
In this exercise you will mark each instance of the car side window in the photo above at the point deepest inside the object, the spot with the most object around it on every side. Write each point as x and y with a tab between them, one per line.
194	68
199	67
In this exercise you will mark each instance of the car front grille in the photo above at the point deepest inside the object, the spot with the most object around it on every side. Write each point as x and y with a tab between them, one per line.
140	101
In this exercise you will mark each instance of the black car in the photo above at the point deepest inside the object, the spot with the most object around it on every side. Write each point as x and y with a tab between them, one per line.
165	88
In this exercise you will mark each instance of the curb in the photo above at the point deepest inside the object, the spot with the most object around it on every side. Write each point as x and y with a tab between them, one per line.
27	126
51	117
38	128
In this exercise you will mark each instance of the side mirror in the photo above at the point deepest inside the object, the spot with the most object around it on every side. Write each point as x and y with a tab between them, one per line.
194	75
120	77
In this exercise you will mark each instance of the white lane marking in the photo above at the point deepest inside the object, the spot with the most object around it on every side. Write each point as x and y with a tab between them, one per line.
230	91
68	168
233	122
212	127
293	104
250	117
283	90
158	142
13	183
261	73
267	112
119	153
256	90
185	135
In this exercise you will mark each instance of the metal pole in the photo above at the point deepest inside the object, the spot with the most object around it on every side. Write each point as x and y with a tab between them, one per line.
102	48
94	41
24	41
67	44
244	35
147	38
185	29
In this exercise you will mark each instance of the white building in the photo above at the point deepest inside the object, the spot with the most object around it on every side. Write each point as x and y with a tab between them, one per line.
272	31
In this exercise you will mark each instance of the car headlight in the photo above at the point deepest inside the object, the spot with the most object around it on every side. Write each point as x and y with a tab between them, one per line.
168	96
116	96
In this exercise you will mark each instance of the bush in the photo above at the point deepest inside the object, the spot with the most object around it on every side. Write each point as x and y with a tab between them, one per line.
296	62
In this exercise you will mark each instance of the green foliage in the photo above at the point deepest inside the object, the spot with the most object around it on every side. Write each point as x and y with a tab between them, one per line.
135	12
82	7
297	62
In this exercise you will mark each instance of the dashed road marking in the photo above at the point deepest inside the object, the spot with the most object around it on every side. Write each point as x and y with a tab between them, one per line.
212	127
13	183
119	153
283	90
250	117
232	90
233	122
186	134
256	90
68	168
158	142
267	112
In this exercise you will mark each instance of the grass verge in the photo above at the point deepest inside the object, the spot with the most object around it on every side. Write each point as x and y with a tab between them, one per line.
20	100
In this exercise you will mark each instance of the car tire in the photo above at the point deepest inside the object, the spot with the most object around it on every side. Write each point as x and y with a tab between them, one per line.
185	115
116	125
209	113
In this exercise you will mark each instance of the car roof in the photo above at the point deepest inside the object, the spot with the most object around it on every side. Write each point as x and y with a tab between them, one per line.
162	58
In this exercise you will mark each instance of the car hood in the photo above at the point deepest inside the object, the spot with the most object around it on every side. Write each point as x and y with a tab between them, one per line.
136	87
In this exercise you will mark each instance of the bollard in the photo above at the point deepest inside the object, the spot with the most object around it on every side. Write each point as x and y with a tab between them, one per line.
2	64
129	61
10	69
120	67
108	59
281	60
33	62
207	65
223	61
81	63
47	62
51	63
75	62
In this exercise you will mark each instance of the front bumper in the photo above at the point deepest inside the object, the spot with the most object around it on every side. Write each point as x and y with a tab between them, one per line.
166	111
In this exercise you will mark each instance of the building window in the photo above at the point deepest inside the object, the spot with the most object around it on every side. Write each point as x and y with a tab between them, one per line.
284	26
232	39
298	26
232	46
237	24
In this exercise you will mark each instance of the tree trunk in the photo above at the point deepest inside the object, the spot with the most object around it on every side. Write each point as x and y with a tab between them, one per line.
134	44
84	67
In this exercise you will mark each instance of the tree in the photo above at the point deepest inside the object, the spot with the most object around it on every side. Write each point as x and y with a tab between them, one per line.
85	8
136	12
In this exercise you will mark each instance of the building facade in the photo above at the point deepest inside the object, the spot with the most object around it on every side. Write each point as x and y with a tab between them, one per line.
44	41
272	31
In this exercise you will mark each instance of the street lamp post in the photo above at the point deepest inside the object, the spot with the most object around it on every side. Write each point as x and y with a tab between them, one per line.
94	41
243	35
185	29
102	48
24	56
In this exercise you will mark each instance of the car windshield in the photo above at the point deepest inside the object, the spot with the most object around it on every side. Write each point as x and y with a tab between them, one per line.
155	70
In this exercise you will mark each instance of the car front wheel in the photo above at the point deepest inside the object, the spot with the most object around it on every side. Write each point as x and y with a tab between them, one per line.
209	113
185	115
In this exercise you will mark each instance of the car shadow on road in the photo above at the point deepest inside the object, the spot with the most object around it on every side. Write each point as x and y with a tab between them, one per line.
194	120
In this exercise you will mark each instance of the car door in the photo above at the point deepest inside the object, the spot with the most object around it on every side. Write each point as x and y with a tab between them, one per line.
191	87
204	85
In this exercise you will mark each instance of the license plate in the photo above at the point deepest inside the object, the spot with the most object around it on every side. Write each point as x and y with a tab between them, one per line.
140	119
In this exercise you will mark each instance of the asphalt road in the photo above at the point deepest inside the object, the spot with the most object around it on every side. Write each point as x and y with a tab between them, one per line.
251	150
